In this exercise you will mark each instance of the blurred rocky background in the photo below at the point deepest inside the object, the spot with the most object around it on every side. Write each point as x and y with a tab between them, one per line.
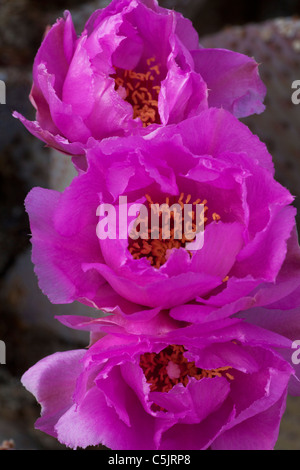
269	30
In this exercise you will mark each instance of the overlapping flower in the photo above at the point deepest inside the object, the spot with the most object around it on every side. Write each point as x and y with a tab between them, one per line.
196	351
135	65
213	159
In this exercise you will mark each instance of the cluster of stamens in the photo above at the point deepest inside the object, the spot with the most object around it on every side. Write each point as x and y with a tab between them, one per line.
169	367
166	236
141	91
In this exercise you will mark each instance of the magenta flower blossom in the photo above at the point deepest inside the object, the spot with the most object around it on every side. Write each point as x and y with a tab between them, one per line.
249	245
283	317
218	387
135	64
283	322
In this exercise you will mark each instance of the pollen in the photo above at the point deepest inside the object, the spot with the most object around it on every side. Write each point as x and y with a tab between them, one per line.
169	367
141	90
166	229
216	217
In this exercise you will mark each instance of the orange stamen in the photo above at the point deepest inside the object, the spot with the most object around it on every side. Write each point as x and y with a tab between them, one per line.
142	91
216	217
159	376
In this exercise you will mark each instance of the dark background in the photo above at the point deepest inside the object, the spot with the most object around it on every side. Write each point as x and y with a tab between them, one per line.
27	324
23	22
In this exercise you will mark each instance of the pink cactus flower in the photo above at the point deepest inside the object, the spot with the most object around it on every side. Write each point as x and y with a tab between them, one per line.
136	65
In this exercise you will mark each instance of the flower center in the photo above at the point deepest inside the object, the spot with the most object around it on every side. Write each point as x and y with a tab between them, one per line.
167	229
141	90
169	367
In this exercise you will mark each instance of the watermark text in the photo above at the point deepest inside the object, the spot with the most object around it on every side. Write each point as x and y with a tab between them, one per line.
158	221
296	94
296	354
2	92
2	352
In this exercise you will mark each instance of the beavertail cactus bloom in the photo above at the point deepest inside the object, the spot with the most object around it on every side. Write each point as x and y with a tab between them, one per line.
218	387
135	65
211	159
